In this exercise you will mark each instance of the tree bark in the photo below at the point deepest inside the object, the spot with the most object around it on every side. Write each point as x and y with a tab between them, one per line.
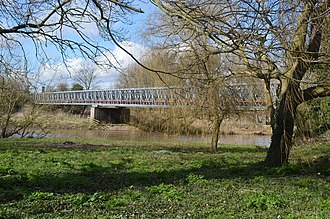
282	137
216	131
218	116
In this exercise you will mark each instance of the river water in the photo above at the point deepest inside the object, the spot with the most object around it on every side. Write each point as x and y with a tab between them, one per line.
137	135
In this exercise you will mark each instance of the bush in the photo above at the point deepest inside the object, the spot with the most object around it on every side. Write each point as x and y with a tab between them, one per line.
313	117
14	94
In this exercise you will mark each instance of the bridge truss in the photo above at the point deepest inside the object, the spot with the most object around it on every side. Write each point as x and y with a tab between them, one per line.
140	97
132	97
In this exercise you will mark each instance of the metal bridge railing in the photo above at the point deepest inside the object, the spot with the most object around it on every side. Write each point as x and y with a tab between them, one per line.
134	97
117	97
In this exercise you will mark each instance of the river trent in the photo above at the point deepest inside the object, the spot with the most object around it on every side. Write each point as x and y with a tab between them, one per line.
137	135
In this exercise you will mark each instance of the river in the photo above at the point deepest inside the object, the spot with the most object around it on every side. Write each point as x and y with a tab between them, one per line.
137	135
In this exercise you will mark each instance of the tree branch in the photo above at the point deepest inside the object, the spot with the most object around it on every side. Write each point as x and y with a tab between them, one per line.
316	91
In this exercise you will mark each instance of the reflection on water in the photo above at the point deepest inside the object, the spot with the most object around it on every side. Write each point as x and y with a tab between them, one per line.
260	140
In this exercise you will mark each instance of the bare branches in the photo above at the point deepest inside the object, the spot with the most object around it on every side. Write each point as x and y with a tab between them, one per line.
267	39
87	76
71	26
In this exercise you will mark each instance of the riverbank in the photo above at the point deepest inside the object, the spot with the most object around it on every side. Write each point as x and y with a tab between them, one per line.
76	178
228	127
58	120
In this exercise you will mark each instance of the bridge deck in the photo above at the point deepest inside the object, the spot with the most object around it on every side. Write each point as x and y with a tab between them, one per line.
137	97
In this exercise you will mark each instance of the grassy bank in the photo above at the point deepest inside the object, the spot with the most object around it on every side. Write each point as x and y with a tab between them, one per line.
96	179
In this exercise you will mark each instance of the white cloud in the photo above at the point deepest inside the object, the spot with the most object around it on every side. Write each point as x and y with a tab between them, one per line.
121	60
54	74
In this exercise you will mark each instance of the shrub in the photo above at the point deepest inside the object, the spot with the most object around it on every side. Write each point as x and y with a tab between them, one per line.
313	117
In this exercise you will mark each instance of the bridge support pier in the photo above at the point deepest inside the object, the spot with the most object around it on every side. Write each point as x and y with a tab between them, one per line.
261	117
118	115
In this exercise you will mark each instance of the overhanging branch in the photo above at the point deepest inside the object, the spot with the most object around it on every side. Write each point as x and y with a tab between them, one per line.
316	91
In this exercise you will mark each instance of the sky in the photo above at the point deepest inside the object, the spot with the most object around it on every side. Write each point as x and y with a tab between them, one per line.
55	71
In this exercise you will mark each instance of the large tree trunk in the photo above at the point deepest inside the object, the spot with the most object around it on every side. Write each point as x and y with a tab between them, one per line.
311	17
282	138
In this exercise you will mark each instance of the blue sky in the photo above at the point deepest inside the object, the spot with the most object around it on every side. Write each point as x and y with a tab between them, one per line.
55	72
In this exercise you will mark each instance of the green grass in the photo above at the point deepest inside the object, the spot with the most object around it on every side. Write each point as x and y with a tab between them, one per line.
105	179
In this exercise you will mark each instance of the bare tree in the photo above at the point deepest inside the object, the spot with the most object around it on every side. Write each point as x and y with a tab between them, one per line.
207	74
203	77
62	87
87	76
169	120
136	76
271	40
83	28
13	95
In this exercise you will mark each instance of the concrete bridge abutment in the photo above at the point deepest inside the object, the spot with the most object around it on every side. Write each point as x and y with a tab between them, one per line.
117	115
